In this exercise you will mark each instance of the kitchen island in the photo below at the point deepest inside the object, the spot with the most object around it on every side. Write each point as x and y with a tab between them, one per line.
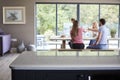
31	66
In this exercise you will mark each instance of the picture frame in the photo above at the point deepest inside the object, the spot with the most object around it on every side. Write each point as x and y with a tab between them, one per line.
14	15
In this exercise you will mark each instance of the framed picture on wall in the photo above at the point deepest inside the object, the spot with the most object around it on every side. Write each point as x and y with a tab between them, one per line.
14	15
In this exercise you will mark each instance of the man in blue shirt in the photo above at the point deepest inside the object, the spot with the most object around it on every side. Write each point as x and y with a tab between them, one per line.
101	41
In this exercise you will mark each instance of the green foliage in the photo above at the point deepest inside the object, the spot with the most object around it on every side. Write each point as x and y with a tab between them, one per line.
110	13
113	30
46	17
65	13
88	14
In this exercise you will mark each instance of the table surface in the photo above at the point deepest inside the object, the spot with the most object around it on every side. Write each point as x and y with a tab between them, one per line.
31	61
68	38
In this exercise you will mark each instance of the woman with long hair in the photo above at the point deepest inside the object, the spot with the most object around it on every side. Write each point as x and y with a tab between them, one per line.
94	29
76	36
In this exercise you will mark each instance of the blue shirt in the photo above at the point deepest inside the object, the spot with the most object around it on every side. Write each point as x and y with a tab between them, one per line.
104	31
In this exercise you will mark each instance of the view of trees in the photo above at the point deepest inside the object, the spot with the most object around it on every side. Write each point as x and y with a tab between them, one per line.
111	14
46	16
46	19
88	14
65	13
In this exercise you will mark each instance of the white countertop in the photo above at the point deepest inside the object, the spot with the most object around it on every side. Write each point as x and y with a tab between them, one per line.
30	61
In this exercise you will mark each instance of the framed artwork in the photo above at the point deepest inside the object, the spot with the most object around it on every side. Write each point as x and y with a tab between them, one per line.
14	15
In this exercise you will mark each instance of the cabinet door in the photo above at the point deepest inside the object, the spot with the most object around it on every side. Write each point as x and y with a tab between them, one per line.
28	75
106	77
66	75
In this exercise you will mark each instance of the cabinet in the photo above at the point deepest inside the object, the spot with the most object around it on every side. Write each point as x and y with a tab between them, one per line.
65	74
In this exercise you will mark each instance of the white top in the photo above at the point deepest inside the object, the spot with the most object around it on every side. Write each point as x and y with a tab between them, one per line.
104	32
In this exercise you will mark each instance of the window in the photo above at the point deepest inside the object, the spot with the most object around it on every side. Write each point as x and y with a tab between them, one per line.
89	13
65	13
111	15
54	19
46	23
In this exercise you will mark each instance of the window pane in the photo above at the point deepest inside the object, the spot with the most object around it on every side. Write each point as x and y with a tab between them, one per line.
46	22
110	13
65	13
89	13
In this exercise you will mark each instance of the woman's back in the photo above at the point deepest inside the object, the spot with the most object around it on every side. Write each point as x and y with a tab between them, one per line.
78	38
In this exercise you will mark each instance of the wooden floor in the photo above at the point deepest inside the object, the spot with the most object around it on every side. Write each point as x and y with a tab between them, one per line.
5	61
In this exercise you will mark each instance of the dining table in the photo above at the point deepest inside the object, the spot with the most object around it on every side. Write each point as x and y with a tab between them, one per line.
64	39
67	38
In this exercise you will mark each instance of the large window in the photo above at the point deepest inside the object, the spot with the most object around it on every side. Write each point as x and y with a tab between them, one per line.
54	19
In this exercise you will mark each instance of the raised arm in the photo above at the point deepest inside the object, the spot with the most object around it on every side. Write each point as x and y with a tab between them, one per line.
94	30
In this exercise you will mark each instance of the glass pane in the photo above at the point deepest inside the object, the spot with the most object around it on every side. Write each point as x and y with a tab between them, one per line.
46	23
65	13
111	15
89	13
